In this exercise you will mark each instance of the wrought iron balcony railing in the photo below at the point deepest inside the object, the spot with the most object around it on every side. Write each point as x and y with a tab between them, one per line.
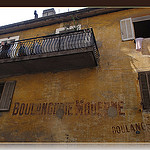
58	52
48	44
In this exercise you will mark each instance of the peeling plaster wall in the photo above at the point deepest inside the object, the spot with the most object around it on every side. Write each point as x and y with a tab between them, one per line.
100	104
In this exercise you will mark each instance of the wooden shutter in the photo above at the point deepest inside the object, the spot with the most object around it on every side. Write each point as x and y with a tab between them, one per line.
7	95
144	80
127	29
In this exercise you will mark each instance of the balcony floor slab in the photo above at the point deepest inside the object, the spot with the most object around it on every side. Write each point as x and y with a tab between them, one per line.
48	62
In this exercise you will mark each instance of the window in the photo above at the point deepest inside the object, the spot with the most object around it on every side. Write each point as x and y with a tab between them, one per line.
7	47
6	94
144	81
69	29
142	29
132	28
16	38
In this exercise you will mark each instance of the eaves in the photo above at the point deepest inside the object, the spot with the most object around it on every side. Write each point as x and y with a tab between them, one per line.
57	18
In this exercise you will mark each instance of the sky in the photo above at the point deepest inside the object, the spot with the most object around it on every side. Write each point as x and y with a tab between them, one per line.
9	15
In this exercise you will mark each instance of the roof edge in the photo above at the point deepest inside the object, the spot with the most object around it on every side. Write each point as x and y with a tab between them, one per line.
59	18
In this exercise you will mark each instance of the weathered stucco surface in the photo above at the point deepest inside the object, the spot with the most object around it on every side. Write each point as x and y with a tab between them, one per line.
100	104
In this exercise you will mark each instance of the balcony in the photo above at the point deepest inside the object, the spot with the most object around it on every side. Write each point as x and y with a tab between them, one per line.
58	52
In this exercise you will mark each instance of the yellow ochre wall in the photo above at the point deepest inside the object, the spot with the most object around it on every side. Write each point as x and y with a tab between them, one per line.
100	104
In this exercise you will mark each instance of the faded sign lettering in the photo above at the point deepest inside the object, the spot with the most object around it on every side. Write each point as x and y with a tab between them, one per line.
128	128
79	107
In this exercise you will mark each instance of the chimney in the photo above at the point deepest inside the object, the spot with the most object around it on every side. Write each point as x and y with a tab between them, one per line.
48	12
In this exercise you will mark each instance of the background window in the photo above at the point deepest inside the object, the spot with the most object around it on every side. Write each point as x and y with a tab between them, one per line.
132	28
144	80
6	91
142	29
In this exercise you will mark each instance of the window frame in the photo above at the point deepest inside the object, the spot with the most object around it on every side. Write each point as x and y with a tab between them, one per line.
132	21
143	100
143	18
7	95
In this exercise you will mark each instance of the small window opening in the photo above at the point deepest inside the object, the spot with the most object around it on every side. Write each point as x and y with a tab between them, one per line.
67	30
142	29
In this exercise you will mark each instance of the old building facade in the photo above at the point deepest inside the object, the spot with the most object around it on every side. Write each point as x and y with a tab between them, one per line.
81	76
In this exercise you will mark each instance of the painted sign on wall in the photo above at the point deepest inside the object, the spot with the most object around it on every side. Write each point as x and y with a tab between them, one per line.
79	107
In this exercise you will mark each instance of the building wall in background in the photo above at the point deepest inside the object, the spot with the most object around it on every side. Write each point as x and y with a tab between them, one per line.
101	104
